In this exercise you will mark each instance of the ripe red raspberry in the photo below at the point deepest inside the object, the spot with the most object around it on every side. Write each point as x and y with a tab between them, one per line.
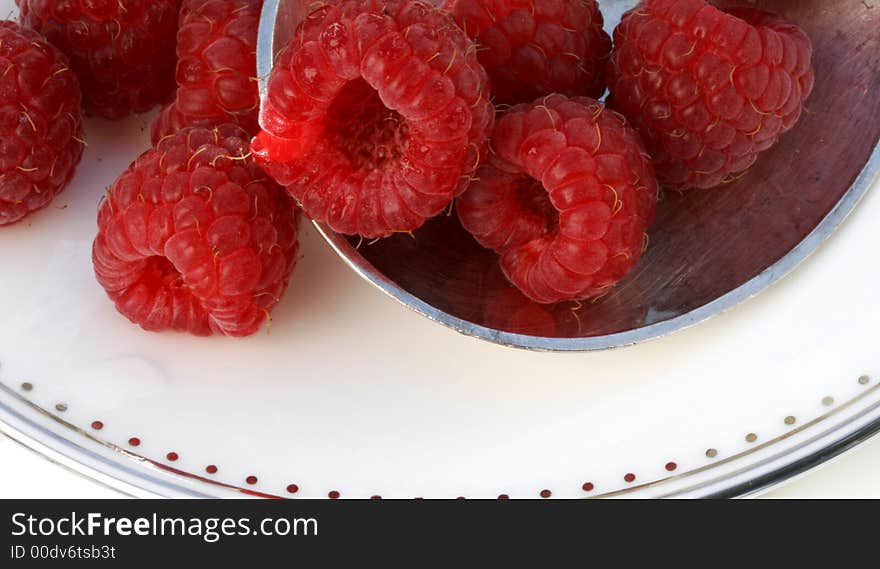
708	90
216	67
565	200
532	48
122	51
40	122
193	237
377	115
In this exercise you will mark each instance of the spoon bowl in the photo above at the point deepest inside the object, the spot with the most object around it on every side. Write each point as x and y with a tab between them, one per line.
709	250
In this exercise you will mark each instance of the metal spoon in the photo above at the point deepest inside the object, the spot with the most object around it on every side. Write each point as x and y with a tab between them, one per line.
709	250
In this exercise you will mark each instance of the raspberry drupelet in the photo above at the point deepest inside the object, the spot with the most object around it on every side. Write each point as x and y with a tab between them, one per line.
194	237
377	115
566	199
216	67
40	122
533	48
708	89
122	52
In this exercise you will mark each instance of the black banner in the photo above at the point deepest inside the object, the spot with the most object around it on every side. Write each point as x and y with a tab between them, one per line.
326	533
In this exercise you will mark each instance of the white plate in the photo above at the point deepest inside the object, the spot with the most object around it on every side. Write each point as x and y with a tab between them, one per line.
352	393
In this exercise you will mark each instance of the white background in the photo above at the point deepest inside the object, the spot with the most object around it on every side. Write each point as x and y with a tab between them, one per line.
24	474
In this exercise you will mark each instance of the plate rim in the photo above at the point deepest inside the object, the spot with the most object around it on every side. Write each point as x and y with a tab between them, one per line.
748	481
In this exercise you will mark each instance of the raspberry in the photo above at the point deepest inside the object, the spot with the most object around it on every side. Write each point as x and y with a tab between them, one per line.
510	311
216	67
708	90
193	237
122	52
376	116
40	122
532	48
565	200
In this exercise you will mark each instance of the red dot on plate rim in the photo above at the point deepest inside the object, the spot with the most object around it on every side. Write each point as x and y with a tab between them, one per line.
630	477
172	456
251	479
333	495
588	486
292	488
671	466
503	497
375	497
97	425
134	441
211	469
546	493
